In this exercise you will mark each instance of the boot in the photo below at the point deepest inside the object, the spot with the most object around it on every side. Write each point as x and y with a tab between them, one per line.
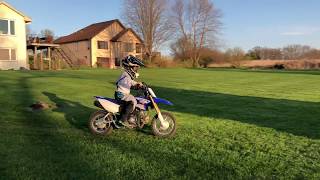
126	114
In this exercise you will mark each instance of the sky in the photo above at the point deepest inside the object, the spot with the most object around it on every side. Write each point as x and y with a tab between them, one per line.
246	23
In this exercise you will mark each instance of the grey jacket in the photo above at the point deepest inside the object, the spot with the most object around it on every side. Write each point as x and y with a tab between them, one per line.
124	83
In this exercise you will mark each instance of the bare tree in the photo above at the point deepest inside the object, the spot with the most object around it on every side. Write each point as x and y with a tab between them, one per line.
47	33
149	19
295	51
312	54
181	49
235	56
198	21
28	31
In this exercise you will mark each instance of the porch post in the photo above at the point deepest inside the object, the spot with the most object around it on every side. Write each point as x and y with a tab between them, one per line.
41	60
49	57
35	66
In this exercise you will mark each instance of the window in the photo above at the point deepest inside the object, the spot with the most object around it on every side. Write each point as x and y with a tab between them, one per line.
13	54
7	27
102	45
7	54
102	59
117	62
138	48
4	54
12	28
128	47
4	27
103	62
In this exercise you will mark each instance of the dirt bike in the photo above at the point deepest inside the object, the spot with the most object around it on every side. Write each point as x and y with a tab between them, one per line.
102	122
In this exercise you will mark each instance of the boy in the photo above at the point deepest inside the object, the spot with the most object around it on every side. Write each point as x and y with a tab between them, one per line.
126	81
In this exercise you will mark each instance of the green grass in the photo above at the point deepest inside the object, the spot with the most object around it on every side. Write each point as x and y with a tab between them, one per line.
232	124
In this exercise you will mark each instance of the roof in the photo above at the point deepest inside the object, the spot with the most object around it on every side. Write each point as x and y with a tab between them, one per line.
118	36
26	18
87	32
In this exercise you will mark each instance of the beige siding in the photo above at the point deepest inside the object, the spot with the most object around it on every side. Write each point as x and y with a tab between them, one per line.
79	52
17	41
105	35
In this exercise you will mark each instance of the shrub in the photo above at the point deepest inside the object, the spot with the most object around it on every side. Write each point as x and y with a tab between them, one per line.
163	62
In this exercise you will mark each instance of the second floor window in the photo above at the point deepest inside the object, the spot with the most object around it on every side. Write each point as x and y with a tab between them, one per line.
128	47
7	27
102	45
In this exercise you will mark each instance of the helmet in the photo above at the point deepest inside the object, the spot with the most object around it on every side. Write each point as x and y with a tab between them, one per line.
131	65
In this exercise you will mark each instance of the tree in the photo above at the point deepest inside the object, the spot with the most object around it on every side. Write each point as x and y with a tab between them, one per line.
295	51
198	23
209	56
149	19
46	33
235	56
181	49
312	54
265	53
28	31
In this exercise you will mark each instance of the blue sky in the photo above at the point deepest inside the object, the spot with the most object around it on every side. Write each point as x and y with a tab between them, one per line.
247	23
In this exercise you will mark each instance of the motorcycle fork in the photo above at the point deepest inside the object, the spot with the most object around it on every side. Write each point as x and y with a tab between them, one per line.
164	124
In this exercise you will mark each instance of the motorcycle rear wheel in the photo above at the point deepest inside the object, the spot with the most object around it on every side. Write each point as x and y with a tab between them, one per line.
156	125
100	123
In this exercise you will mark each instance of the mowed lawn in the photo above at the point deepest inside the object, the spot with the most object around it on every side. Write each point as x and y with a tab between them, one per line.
232	124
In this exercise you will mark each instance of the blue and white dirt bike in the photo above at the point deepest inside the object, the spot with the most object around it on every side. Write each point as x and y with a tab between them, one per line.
103	121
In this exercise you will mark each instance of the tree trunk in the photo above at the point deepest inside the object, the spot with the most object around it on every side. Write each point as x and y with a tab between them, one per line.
195	58
195	62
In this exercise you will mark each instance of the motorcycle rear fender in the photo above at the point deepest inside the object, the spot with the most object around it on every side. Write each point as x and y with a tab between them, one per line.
108	105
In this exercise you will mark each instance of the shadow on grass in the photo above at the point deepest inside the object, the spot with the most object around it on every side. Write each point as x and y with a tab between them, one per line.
75	113
295	117
291	116
43	150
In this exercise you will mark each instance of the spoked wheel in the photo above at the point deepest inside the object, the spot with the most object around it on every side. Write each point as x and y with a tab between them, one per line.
100	123
164	132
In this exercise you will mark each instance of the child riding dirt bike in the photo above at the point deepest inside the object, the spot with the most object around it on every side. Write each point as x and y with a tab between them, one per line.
114	113
125	82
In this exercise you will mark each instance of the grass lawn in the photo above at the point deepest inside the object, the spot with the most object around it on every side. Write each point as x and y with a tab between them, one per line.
232	124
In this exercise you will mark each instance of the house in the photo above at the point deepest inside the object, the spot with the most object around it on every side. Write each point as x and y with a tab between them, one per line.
102	44
13	48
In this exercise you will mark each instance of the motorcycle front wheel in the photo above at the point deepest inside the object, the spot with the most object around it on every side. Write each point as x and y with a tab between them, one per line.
100	123
168	132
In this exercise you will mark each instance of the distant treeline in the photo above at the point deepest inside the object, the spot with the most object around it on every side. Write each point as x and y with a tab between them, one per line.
291	52
236	55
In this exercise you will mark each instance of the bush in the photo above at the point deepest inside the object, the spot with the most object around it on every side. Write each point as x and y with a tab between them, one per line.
303	64
163	62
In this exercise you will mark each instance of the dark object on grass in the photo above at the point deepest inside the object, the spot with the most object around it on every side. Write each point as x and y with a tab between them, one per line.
279	66
39	106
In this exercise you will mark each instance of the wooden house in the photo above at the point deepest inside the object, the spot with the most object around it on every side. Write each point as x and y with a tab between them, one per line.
102	44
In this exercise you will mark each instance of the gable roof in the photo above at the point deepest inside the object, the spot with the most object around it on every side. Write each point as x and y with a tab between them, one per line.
87	32
26	18
118	36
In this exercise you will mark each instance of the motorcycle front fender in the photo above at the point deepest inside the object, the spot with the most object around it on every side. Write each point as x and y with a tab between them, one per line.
162	101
